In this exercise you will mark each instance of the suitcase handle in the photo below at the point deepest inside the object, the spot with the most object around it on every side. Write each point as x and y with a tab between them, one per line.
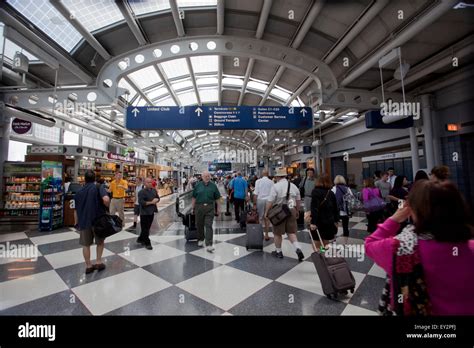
319	236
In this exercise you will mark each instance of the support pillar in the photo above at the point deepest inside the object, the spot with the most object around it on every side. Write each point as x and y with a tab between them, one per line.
415	159
427	130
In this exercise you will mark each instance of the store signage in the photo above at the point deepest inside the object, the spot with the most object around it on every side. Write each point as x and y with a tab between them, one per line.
40	149
218	117
20	126
114	156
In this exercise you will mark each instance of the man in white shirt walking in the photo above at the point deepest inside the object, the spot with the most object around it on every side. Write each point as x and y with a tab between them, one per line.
263	188
278	195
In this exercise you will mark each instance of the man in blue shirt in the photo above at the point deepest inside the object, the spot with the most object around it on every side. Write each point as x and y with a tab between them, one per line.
91	202
240	187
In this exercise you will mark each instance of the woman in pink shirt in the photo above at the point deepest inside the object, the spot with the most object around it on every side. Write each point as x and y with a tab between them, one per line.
433	272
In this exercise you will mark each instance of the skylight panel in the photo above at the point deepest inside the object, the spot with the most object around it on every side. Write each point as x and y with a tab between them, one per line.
144	7
280	94
165	102
94	15
44	16
207	81
175	68
229	81
204	64
145	77
182	85
257	85
157	93
188	98
208	95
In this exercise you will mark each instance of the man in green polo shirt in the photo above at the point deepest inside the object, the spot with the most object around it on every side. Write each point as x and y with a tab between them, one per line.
205	195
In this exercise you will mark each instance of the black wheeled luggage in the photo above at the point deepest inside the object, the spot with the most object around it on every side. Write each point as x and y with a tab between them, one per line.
190	230
254	236
334	273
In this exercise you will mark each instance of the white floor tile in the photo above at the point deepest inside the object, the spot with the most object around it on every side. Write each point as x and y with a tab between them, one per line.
105	295
377	271
120	236
226	237
224	286
52	238
305	277
72	257
224	253
25	289
142	257
288	249
175	226
356	310
165	239
12	236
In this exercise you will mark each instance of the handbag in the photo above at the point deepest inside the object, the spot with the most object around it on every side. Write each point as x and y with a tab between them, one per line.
107	225
252	216
278	213
374	203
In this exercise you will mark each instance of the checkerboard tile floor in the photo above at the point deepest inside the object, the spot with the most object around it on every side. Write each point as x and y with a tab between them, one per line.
177	277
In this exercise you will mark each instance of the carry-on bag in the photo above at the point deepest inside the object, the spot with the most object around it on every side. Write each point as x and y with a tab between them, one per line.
107	225
190	230
254	237
334	273
252	216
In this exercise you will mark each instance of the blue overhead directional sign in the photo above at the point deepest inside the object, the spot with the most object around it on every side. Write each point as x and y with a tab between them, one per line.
218	117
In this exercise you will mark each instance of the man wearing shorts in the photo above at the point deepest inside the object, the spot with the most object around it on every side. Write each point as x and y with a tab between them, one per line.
278	195
263	187
91	202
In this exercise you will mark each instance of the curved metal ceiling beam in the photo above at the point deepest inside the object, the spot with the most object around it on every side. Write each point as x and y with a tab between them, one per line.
107	94
224	46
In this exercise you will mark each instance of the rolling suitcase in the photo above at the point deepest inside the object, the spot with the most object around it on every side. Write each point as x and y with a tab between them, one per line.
190	230
333	272
254	230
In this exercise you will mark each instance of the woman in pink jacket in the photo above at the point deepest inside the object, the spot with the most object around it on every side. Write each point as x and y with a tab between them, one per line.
430	265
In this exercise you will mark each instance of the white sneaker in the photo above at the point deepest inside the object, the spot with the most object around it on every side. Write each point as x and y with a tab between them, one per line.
210	249
200	243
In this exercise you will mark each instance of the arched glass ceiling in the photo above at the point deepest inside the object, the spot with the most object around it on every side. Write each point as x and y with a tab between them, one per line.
205	69
94	15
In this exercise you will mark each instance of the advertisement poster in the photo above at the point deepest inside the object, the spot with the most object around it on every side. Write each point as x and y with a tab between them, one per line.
50	170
